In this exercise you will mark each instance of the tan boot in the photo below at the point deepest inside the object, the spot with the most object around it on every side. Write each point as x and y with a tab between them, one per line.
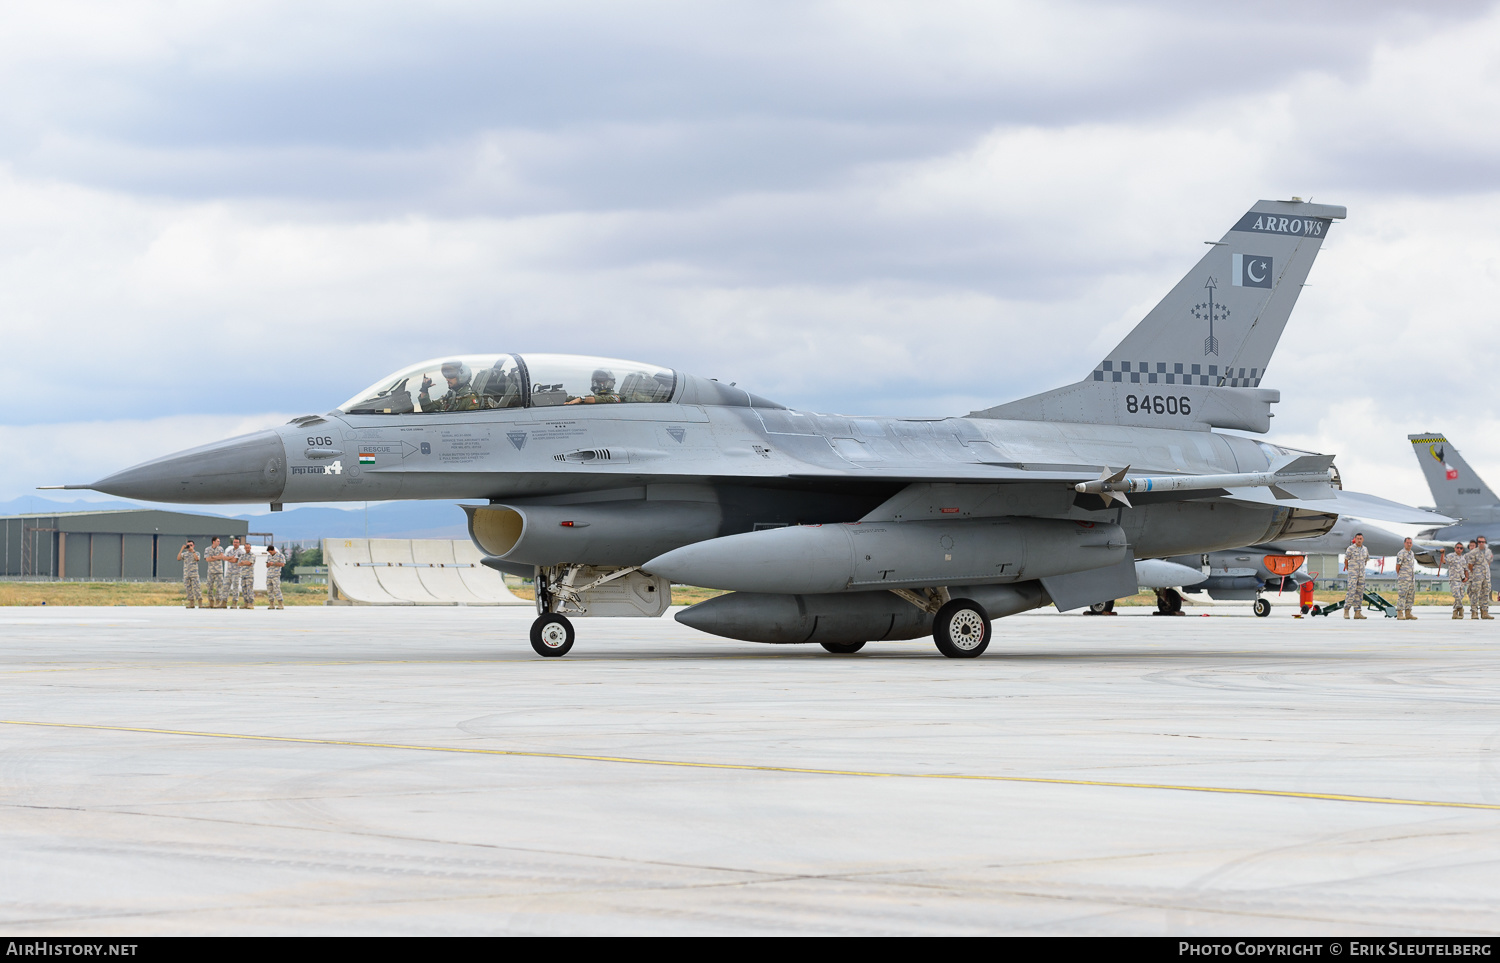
1458	614
1401	615
1358	614
1409	614
1346	611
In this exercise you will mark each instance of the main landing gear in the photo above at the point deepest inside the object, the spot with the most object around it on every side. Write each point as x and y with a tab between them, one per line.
843	648
961	629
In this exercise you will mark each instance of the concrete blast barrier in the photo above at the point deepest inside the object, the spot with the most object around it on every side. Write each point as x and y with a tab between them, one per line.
407	571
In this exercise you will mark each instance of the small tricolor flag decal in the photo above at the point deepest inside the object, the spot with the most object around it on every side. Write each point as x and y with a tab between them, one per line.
365	458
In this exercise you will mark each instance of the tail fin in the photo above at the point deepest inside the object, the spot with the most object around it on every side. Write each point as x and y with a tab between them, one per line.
1216	329
1456	489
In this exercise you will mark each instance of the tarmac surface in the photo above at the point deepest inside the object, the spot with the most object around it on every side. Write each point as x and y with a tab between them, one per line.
419	771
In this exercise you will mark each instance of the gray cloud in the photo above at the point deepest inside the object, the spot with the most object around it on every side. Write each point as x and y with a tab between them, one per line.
856	207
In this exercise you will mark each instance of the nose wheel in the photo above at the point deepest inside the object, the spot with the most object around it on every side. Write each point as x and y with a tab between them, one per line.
1262	608
552	635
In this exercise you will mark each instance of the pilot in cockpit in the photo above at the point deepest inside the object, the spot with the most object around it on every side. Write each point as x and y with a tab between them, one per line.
602	390
460	395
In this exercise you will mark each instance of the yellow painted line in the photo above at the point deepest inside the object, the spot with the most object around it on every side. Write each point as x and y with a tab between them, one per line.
683	764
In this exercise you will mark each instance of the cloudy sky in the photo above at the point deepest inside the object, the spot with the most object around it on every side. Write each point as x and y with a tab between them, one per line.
217	216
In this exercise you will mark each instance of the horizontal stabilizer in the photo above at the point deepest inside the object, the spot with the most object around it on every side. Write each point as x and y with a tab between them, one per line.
1357	504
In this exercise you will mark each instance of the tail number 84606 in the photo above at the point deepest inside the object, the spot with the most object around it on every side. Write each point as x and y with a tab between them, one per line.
1158	405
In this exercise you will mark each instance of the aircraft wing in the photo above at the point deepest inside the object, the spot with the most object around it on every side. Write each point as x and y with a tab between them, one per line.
986	479
991	473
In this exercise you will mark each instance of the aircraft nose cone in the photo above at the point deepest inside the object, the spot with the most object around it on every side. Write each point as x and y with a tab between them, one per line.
250	468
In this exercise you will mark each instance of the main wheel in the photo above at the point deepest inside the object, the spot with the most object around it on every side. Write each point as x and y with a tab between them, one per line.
1262	608
842	648
961	629
552	635
1168	602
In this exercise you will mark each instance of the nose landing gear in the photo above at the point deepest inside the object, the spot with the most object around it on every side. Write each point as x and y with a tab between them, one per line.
552	635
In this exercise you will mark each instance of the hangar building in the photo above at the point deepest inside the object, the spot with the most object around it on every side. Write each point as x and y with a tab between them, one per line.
122	545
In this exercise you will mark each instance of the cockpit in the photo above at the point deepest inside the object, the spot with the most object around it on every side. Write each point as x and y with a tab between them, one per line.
476	382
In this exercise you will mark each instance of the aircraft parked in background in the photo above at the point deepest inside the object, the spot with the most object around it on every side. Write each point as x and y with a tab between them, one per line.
1458	491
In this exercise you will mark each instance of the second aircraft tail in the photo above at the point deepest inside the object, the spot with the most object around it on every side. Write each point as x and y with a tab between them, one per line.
1457	489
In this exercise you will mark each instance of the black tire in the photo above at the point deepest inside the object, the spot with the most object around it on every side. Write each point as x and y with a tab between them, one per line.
961	629
1173	600
552	635
842	648
1262	608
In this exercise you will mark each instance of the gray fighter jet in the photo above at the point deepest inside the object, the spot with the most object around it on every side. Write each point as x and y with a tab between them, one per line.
1457	490
607	481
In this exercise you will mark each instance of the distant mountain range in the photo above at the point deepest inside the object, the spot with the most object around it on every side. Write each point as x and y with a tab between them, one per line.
415	519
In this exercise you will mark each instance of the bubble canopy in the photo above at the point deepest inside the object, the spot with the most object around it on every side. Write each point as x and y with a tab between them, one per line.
477	382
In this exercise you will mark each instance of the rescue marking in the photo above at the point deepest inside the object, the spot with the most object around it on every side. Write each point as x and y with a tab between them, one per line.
797	770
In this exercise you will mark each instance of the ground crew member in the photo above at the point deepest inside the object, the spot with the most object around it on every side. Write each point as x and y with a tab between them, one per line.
1355	557
1458	574
1479	579
1406	581
214	556
232	573
189	558
274	561
247	577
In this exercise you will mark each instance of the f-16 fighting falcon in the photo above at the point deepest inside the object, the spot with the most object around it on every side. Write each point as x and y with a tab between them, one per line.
1457	490
607	481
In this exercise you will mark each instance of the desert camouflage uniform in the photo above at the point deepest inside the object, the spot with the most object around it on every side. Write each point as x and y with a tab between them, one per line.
215	590
1479	582
190	579
1458	575
232	575
1406	580
1355	557
247	579
273	580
